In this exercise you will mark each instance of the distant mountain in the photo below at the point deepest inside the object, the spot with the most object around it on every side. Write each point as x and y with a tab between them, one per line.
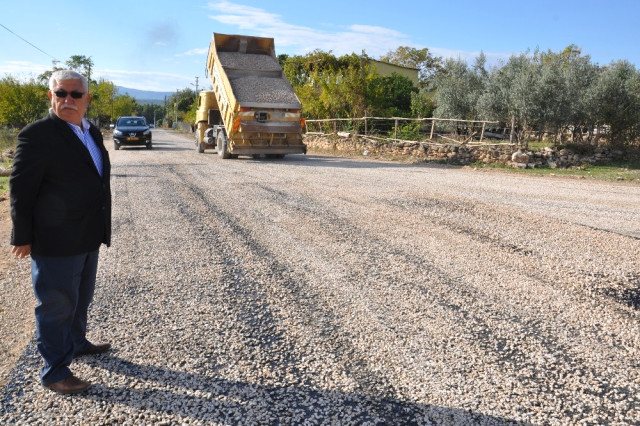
143	96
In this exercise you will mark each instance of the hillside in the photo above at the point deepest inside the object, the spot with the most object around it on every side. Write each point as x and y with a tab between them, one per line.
143	96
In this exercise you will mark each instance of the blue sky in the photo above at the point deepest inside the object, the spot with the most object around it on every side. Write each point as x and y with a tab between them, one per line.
162	45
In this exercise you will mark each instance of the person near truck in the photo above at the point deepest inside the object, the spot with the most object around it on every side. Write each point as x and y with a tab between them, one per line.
61	212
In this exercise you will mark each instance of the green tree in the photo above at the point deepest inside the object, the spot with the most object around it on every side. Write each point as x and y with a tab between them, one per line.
125	105
313	77
550	95
541	92
458	89
580	74
153	112
103	95
614	100
423	104
391	95
22	103
346	87
517	84
79	63
342	86
180	103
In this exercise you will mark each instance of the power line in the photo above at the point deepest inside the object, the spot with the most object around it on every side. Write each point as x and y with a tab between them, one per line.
29	43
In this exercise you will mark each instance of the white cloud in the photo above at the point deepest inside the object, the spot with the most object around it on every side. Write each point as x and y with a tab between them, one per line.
296	39
299	40
23	70
194	52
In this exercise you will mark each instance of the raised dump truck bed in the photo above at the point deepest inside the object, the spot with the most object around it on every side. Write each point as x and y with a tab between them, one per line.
252	108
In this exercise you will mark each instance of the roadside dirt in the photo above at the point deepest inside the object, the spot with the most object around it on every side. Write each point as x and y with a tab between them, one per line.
6	259
16	301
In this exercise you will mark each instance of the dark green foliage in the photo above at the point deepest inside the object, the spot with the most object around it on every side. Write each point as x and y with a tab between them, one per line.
390	96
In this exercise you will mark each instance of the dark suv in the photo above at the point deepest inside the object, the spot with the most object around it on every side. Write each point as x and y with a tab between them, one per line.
131	131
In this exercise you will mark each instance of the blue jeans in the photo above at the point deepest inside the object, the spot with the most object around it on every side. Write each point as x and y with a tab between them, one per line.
64	288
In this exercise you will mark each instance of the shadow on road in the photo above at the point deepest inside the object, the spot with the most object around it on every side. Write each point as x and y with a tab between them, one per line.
157	146
210	399
314	160
240	402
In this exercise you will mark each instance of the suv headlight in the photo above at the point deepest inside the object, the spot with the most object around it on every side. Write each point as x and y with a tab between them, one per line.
117	133
147	132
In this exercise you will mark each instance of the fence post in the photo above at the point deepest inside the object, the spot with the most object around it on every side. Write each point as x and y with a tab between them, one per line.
433	126
395	132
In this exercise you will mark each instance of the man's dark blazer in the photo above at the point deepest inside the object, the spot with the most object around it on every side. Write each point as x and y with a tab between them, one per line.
59	203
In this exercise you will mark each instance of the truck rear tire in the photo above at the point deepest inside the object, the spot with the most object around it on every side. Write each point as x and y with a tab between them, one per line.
221	143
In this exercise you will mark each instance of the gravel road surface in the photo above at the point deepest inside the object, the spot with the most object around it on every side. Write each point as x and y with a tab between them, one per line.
322	290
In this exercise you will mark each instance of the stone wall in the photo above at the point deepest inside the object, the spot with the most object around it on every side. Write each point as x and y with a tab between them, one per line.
462	154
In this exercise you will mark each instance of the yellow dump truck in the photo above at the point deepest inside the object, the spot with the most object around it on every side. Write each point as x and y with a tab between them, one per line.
252	109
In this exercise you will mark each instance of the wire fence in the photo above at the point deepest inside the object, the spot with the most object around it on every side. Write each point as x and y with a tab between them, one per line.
8	139
396	129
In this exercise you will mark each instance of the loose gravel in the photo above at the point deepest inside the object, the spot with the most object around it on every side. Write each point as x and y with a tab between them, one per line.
257	79
320	290
263	90
248	61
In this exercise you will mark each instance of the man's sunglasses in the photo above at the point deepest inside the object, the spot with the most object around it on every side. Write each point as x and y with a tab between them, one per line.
63	94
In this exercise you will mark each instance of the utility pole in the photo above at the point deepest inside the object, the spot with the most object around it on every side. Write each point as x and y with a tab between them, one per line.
196	97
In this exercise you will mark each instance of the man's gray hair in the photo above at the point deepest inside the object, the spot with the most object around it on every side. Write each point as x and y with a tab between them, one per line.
62	75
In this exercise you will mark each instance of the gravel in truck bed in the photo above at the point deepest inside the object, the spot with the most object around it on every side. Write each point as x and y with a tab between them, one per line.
248	61
263	90
318	290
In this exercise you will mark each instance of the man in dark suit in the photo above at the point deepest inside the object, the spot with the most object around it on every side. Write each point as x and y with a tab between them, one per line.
61	211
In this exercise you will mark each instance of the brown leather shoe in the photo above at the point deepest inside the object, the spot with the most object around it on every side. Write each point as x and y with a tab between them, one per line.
93	349
69	385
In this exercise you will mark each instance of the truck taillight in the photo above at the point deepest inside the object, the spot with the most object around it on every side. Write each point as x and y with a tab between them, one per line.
245	109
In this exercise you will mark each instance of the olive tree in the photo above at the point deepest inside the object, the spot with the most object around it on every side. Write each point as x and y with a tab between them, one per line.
514	85
459	87
550	95
614	100
579	74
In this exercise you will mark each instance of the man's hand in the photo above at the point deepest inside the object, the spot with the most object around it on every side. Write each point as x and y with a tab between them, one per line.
21	251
